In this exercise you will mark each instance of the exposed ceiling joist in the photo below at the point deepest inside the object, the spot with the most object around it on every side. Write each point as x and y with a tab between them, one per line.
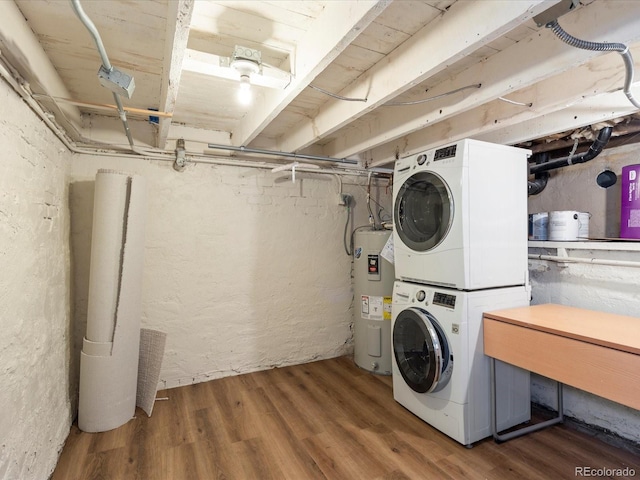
386	51
428	52
479	123
177	34
331	33
21	48
589	111
533	59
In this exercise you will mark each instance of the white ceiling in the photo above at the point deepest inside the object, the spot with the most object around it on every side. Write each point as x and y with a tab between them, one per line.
384	51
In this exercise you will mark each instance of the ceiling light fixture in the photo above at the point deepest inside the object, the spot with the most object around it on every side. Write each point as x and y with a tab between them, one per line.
247	62
244	62
244	92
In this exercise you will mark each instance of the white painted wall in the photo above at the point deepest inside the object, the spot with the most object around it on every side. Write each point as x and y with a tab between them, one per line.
244	269
601	288
35	285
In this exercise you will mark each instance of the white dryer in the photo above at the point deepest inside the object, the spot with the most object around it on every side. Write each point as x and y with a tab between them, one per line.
460	216
440	372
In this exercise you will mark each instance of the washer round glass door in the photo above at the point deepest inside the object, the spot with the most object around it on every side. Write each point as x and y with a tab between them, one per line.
421	350
423	211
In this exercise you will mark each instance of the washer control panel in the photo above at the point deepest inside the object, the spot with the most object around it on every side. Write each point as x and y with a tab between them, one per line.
444	300
446	152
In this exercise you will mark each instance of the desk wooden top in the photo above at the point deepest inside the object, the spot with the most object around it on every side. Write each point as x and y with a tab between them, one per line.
606	329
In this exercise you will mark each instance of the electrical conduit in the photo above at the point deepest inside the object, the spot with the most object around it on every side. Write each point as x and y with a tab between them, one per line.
84	18
621	48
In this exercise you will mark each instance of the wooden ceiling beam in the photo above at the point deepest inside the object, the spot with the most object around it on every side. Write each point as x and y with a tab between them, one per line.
176	36
333	31
458	32
588	111
20	46
499	120
534	59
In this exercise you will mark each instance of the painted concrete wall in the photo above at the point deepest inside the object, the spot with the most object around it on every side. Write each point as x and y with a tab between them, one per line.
601	288
575	188
244	269
36	410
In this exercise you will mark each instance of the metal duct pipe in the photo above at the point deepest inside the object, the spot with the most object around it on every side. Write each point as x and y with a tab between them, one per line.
594	150
281	154
84	18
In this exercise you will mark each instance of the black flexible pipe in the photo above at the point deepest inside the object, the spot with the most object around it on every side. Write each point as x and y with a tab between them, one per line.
594	150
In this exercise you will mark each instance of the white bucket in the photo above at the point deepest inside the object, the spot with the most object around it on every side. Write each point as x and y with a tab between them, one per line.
539	226
583	220
564	226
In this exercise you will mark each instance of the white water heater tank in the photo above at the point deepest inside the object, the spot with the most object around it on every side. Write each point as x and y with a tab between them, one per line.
373	286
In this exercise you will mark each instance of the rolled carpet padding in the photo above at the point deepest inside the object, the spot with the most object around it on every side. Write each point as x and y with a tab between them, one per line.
109	357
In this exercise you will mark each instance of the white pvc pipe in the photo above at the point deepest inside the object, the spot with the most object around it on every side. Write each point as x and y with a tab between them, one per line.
282	168
592	261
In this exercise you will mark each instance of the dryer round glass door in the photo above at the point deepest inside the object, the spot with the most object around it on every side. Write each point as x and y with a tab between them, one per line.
423	211
421	350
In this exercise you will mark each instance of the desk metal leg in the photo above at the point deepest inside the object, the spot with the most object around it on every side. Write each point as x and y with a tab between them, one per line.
524	430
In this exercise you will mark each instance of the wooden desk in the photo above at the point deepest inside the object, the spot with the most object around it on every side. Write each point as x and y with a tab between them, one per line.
592	351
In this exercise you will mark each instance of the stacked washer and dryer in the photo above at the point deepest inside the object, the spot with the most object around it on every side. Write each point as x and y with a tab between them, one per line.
460	248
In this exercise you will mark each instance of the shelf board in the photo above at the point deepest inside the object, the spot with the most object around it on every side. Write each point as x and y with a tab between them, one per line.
622	245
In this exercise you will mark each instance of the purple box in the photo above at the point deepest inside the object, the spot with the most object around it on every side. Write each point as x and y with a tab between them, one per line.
630	202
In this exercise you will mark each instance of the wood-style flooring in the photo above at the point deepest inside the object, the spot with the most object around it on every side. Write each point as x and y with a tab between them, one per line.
321	420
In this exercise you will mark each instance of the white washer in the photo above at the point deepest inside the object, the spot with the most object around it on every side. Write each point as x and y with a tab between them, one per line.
460	216
440	372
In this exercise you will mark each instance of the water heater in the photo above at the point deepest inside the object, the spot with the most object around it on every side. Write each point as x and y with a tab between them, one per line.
373	286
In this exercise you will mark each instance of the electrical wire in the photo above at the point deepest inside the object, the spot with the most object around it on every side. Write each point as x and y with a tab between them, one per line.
349	251
352	239
339	97
425	100
621	48
381	209
372	217
513	102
